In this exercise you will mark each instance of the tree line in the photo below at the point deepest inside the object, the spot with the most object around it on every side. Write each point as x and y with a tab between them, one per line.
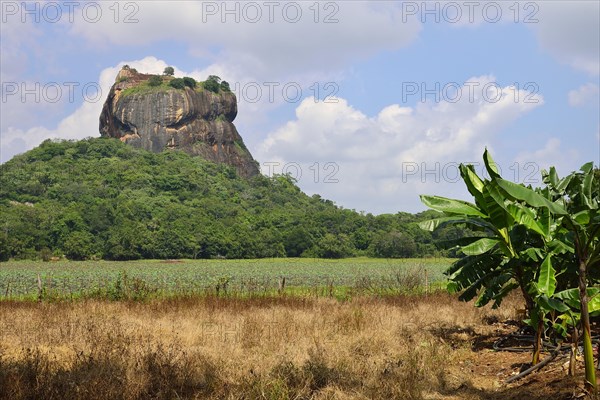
101	199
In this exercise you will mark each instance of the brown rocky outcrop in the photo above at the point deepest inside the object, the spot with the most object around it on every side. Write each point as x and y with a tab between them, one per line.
196	121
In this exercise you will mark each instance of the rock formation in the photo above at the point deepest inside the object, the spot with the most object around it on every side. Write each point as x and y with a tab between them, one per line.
158	118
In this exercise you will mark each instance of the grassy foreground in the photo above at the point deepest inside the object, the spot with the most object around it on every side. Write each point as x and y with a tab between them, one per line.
285	347
220	329
279	348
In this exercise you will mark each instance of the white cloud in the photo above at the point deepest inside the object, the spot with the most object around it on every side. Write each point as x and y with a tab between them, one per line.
384	161
570	31
587	94
273	47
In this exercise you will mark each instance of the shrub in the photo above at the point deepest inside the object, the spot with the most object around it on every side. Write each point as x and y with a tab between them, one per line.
45	254
189	82
155	80
169	71
225	86
211	86
177	83
5	251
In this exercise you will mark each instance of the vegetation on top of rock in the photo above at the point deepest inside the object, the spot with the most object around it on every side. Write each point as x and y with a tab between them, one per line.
212	84
127	67
143	88
148	85
189	82
100	198
225	86
155	80
181	83
177	83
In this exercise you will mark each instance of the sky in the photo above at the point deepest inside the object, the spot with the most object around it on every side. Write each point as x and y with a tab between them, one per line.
367	103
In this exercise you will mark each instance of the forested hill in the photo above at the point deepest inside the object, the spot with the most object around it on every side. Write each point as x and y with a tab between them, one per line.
99	198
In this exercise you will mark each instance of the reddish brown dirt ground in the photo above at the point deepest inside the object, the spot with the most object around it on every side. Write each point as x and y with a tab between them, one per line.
486	371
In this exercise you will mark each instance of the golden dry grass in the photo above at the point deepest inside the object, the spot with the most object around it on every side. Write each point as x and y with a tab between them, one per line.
406	347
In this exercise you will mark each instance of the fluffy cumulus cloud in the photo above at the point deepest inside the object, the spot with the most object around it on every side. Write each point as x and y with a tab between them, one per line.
273	39
570	31
338	151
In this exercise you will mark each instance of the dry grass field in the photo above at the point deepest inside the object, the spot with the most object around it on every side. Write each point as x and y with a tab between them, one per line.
402	347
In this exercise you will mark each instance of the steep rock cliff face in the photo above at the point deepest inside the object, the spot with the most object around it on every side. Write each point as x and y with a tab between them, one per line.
159	118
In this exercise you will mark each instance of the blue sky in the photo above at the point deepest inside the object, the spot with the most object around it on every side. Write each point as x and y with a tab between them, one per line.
374	145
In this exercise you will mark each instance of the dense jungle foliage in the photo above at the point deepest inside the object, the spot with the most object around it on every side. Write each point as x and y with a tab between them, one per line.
99	198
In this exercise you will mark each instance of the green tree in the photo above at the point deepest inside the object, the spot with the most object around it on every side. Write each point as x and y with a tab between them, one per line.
393	245
334	246
578	230
128	241
5	251
173	241
211	85
297	241
79	246
125	196
169	71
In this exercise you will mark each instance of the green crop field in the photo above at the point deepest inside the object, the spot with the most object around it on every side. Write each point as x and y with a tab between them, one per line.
63	279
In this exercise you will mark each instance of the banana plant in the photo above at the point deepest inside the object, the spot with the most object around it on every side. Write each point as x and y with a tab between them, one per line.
513	248
544	240
580	192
